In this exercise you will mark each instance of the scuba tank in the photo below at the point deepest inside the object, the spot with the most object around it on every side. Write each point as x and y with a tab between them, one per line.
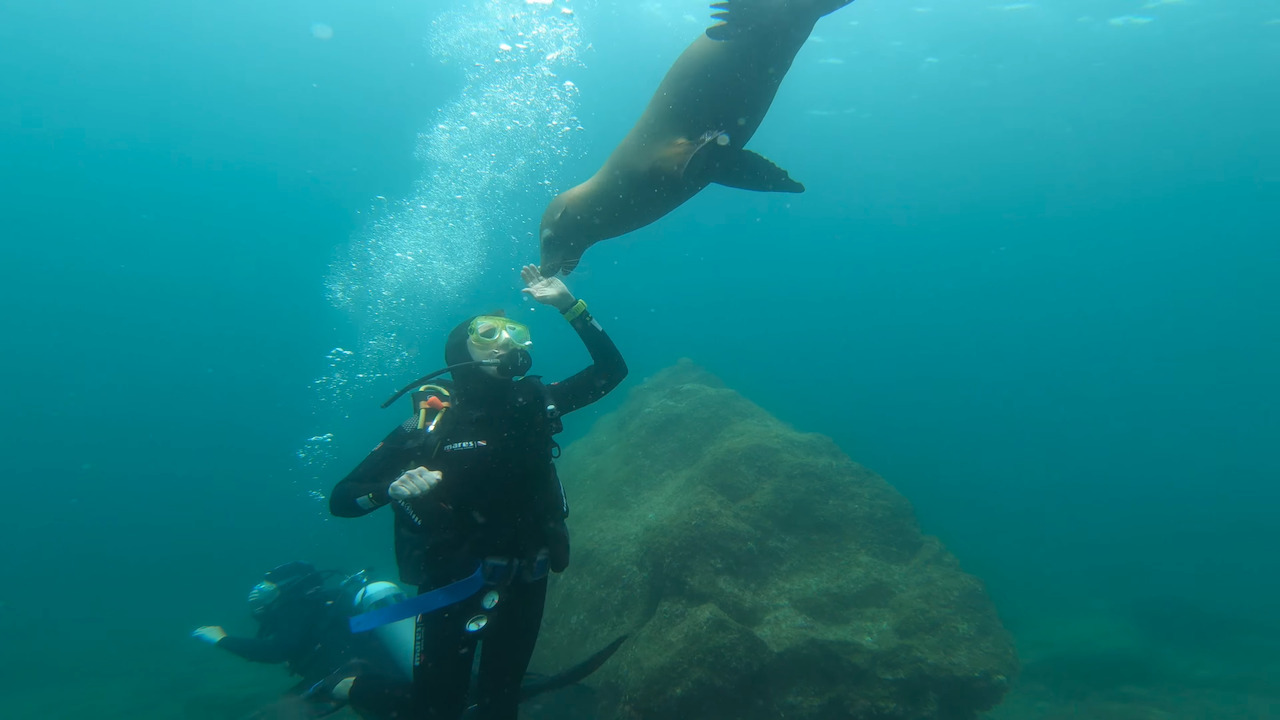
397	637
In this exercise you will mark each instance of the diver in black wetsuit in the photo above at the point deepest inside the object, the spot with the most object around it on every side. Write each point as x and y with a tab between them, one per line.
473	485
302	624
306	625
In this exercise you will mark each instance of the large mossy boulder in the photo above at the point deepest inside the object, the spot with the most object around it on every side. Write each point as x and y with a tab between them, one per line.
760	572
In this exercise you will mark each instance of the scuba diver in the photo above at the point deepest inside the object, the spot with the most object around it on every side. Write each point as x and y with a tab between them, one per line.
479	512
306	625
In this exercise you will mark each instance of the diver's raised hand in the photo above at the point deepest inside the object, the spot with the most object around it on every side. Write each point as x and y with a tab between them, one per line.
209	633
546	290
414	483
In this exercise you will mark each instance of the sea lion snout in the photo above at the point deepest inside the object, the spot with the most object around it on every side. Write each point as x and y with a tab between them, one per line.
550	257
560	243
557	255
556	261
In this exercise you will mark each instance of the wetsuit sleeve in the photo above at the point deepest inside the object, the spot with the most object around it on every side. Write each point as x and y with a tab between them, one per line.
606	371
287	639
365	488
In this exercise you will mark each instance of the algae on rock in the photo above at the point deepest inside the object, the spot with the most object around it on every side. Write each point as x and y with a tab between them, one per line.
760	572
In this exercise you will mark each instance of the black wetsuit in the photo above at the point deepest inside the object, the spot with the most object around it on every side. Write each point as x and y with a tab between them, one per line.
498	497
310	634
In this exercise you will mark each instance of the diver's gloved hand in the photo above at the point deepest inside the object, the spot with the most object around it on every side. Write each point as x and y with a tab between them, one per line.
546	290
414	483
209	633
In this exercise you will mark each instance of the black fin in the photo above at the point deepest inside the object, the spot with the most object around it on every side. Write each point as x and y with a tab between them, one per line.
533	687
746	170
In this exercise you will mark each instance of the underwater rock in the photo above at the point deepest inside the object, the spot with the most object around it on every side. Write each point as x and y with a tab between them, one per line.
760	572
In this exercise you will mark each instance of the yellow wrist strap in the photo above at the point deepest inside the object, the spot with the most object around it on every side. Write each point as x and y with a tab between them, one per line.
573	312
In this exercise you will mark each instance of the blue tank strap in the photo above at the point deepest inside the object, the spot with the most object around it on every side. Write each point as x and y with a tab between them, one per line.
420	604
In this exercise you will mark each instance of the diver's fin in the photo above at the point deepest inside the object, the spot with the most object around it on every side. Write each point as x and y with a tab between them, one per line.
737	17
745	170
537	686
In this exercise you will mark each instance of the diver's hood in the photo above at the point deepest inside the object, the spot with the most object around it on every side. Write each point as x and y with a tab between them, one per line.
467	375
456	353
291	573
515	363
283	585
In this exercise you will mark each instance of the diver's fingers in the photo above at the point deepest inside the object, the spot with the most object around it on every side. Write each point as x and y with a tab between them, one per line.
406	488
422	472
209	633
408	485
420	480
398	490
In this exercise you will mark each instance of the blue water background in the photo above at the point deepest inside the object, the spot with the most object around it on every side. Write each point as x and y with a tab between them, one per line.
1032	283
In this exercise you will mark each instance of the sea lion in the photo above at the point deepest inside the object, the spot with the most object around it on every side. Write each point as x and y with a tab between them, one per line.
693	131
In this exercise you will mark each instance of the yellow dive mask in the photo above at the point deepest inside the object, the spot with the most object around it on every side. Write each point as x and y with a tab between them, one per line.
488	331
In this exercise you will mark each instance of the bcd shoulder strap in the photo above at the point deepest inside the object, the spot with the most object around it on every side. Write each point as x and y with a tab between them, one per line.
430	401
548	405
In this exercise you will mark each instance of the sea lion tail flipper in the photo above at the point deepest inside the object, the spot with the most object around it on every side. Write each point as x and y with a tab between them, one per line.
736	17
745	170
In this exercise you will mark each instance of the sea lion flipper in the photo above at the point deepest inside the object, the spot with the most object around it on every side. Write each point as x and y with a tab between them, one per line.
691	158
745	170
735	18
